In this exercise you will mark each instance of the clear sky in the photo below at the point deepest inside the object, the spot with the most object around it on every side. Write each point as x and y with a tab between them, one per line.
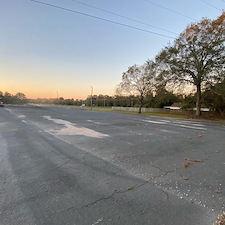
46	50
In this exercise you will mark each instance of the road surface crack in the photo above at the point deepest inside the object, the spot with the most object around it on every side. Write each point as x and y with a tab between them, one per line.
104	198
163	174
61	165
130	188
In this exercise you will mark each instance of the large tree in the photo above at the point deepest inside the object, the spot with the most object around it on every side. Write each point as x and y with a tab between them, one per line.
139	81
214	97
196	57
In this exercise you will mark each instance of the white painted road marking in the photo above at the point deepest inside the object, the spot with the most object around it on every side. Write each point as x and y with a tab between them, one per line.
192	127
153	121
183	124
72	129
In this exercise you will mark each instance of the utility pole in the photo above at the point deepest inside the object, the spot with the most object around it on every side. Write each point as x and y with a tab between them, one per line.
57	97
91	97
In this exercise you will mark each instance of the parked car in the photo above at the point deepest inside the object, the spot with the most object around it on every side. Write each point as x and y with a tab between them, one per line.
1	104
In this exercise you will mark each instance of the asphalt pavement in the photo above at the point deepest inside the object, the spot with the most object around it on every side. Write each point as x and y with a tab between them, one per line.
75	167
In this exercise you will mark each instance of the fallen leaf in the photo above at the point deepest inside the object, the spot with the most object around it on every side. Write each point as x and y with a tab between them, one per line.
130	188
218	191
184	178
185	165
220	219
193	160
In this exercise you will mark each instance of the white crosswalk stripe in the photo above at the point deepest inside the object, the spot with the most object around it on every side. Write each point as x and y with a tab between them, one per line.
181	124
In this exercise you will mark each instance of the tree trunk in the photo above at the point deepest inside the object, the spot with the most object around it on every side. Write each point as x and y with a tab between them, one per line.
198	100
141	103
139	111
221	112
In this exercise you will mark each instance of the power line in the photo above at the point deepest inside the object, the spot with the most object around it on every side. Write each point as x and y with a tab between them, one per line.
171	10
211	5
99	18
125	17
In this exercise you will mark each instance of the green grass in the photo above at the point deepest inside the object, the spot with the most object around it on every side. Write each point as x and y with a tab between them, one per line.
109	109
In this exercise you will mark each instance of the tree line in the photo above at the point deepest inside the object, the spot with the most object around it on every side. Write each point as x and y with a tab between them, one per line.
213	97
196	58
18	98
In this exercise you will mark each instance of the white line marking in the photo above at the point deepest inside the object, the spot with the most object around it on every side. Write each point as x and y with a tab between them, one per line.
21	116
151	121
98	123
72	129
191	127
189	122
198	125
166	121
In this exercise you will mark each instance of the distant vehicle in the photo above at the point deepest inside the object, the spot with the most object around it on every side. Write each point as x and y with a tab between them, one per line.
1	104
